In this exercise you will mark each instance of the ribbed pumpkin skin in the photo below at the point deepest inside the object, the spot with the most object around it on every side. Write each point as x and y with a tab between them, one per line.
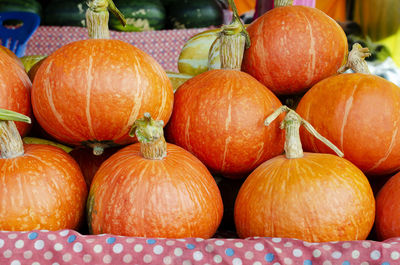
387	221
317	198
15	89
96	89
360	114
219	117
43	189
294	47
174	198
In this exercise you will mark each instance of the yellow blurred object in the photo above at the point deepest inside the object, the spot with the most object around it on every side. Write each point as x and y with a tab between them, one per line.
177	79
336	9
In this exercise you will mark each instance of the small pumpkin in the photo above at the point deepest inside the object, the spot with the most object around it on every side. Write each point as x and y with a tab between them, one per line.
42	187
293	48
309	196
154	189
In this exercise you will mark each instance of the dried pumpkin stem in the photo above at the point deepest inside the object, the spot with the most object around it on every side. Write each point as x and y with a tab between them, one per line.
97	16
356	60
150	134
11	144
280	3
291	124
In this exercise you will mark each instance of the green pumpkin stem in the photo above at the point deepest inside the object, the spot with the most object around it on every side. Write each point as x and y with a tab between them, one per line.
356	60
11	144
233	40
291	124
97	16
150	134
281	3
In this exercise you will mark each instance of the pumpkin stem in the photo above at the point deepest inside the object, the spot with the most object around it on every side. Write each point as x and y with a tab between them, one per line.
291	124
97	16
11	144
356	60
281	3
233	40
150	134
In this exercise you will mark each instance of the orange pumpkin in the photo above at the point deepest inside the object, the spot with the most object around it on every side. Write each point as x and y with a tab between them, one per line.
294	47
15	89
359	113
154	189
41	186
387	222
308	196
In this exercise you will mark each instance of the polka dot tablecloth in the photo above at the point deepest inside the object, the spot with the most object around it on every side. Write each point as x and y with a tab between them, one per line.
71	247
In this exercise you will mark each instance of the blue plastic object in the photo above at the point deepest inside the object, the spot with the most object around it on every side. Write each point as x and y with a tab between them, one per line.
17	38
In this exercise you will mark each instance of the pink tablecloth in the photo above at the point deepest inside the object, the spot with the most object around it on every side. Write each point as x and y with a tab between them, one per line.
70	247
163	45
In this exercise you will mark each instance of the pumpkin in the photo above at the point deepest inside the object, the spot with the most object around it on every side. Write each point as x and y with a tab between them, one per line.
359	113
94	97
294	47
41	186
154	189
218	115
12	55
387	222
15	88
309	196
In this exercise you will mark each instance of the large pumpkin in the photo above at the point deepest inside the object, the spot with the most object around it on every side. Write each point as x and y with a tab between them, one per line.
308	196
154	189
359	113
294	47
91	91
41	186
15	88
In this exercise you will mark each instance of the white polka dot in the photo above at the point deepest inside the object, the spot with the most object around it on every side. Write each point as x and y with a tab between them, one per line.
197	256
64	233
51	236
178	252
87	258
327	262
276	239
138	248
219	242
366	244
67	257
278	250
297	253
12	236
1	243
28	254
326	247
239	244
78	247
118	248
307	244
276	263
237	261
364	263
375	255
167	260
130	240
170	243
346	245
199	239
90	240
259	247
217	259
288	261
158	249
127	258
181	239
186	262
395	255
39	244
107	259
55	263
288	245
249	255
257	263
36	263
317	253
147	258
15	262
19	244
355	254
336	255
97	248
209	248
386	245
58	247
48	255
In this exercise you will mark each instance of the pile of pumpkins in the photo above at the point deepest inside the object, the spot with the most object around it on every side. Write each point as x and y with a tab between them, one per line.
112	102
